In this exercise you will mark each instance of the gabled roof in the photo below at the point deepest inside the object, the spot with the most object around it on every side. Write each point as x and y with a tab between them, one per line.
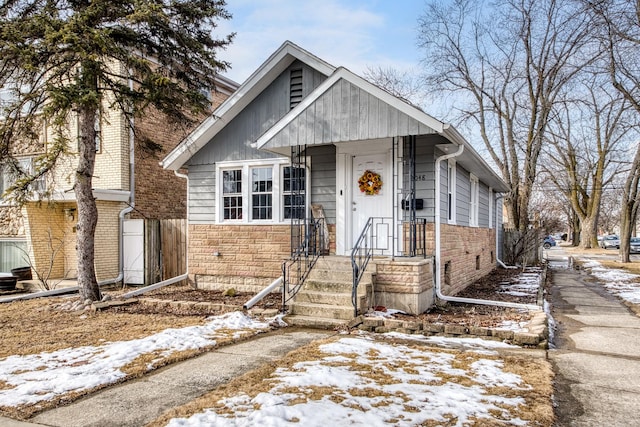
247	92
414	120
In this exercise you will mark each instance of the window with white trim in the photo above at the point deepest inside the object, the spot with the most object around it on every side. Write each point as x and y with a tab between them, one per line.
473	201
257	191
27	167
232	194
262	193
294	192
451	191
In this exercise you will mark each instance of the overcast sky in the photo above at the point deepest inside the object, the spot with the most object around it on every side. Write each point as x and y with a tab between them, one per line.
349	33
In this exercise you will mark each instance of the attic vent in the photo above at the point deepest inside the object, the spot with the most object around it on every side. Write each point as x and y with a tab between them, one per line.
295	87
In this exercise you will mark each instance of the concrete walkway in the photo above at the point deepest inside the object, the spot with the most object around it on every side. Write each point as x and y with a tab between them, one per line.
137	402
596	354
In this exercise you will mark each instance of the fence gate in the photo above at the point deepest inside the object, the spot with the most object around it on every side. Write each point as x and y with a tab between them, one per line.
154	250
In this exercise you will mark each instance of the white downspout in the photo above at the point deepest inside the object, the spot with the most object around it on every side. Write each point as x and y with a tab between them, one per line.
436	278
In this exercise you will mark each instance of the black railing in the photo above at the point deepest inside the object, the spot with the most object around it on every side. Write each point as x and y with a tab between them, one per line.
296	269
377	238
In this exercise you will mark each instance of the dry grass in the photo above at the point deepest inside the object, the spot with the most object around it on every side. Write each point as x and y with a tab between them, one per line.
537	390
35	326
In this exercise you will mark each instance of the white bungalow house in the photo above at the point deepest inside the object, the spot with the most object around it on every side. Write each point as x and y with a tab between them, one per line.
307	159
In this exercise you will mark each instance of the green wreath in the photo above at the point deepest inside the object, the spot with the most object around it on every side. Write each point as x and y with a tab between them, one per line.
370	183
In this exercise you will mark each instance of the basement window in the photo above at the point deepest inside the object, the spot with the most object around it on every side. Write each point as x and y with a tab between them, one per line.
477	262
447	273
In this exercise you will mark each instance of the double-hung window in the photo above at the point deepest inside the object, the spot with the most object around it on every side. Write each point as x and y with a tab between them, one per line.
261	191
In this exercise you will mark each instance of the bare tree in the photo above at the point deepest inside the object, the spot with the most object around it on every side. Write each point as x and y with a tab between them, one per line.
402	84
616	24
586	139
508	61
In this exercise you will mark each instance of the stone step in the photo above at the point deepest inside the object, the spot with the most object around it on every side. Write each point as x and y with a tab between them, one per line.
333	286
337	275
314	322
330	298
322	310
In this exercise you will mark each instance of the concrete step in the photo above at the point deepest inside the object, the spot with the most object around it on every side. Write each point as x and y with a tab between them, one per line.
314	322
329	298
322	310
337	275
333	286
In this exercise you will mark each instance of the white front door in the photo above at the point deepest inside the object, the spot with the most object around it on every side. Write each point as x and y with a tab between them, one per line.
370	198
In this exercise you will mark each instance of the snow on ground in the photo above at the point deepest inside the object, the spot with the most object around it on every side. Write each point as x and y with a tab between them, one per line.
369	380
619	282
34	378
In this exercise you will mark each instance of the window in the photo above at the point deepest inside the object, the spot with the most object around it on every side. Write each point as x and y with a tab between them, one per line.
261	193
473	201
13	254
232	193
451	192
27	168
294	192
256	191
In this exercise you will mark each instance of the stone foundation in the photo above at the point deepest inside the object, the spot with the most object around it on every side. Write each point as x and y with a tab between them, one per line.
404	284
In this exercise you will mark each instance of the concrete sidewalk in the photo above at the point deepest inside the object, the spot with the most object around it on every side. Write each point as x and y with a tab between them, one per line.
137	402
596	354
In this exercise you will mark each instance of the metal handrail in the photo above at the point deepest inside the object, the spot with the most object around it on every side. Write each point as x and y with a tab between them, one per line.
369	242
296	269
360	256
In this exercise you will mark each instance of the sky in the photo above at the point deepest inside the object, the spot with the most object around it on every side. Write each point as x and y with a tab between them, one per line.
349	33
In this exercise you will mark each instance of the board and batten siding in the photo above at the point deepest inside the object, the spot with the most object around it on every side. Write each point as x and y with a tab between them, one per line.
233	142
425	182
344	113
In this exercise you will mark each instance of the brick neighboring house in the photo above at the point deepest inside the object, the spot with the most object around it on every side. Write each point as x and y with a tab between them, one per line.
298	115
41	233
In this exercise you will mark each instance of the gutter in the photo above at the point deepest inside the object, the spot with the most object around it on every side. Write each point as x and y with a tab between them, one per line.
436	275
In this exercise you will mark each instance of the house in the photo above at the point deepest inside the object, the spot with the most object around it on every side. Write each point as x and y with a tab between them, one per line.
128	184
302	140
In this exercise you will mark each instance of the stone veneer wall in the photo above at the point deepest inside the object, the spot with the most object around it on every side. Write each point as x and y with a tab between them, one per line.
11	222
404	284
249	257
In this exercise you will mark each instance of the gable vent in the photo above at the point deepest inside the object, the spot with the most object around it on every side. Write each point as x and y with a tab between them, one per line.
295	87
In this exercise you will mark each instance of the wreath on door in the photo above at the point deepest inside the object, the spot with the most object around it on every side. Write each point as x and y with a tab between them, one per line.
370	183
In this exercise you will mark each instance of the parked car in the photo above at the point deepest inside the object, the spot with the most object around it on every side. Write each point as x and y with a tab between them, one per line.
610	241
548	242
634	245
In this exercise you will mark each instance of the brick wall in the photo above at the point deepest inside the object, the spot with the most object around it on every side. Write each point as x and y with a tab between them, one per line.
48	233
470	252
52	239
160	194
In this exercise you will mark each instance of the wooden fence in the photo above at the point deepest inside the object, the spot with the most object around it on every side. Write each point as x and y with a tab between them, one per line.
522	247
166	249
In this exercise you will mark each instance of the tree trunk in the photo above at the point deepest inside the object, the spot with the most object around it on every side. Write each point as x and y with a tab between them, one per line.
87	209
589	232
